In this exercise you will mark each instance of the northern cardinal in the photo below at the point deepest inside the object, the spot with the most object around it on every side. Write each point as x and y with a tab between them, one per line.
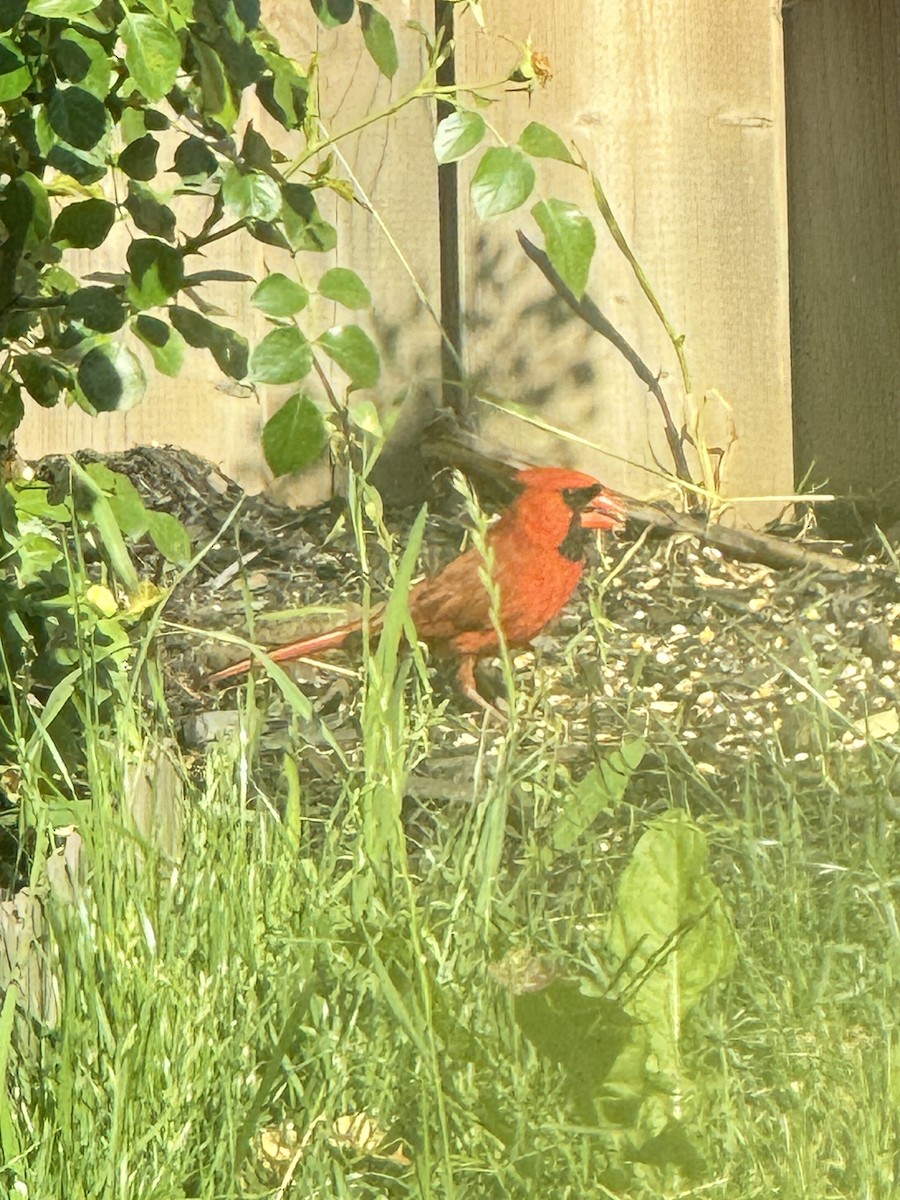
537	546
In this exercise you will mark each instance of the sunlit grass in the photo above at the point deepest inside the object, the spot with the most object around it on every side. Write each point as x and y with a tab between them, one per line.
248	994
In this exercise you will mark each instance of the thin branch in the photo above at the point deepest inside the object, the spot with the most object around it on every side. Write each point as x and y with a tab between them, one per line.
591	315
612	225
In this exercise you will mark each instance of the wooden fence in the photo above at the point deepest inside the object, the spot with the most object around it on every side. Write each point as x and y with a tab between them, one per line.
679	109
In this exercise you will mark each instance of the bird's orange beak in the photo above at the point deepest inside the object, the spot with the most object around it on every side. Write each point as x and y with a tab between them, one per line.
605	511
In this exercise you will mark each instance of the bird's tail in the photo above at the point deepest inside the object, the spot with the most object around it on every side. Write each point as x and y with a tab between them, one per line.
315	644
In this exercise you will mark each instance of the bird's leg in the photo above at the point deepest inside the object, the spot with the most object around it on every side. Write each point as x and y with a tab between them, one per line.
466	677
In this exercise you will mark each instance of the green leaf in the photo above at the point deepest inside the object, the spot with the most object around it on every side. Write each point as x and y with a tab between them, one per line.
294	436
602	788
218	99
379	39
354	352
581	1033
106	525
111	378
98	308
278	296
85	224
166	345
303	224
9	1137
333	12
251	194
283	356
503	180
87	168
229	349
570	240
12	410
24	212
157	272
670	925
170	537
61	9
138	159
148	213
194	159
457	135
11	12
43	377
83	60
284	94
15	76
77	116
152	54
344	287
124	499
541	142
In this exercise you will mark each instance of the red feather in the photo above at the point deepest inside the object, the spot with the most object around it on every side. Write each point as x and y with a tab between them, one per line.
537	547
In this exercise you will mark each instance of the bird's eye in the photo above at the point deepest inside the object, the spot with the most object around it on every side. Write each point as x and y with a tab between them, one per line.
578	498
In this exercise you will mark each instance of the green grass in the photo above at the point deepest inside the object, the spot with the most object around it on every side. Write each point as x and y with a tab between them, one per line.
239	968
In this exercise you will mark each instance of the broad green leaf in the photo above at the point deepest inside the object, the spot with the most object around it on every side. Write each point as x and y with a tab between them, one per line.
138	159
77	116
43	377
157	272
457	135
84	61
541	142
85	224
251	194
194	159
255	150
279	296
12	410
602	788
105	522
670	921
86	168
303	224
169	537
61	9
294	436
219	100
502	181
97	308
148	212
379	38
333	12
124	499
284	94
354	352
25	211
581	1033
166	345
15	77
152	54
570	240
229	349
344	287
11	12
283	356
111	378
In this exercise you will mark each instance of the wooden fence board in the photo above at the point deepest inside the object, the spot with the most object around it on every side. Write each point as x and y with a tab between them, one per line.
843	80
678	108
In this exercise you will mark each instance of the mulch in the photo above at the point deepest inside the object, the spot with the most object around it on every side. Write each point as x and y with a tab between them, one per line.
714	661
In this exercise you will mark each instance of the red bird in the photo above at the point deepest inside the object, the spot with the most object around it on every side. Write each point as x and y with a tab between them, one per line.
538	547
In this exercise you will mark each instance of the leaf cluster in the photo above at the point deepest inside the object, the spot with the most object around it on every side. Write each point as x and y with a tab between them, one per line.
110	114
